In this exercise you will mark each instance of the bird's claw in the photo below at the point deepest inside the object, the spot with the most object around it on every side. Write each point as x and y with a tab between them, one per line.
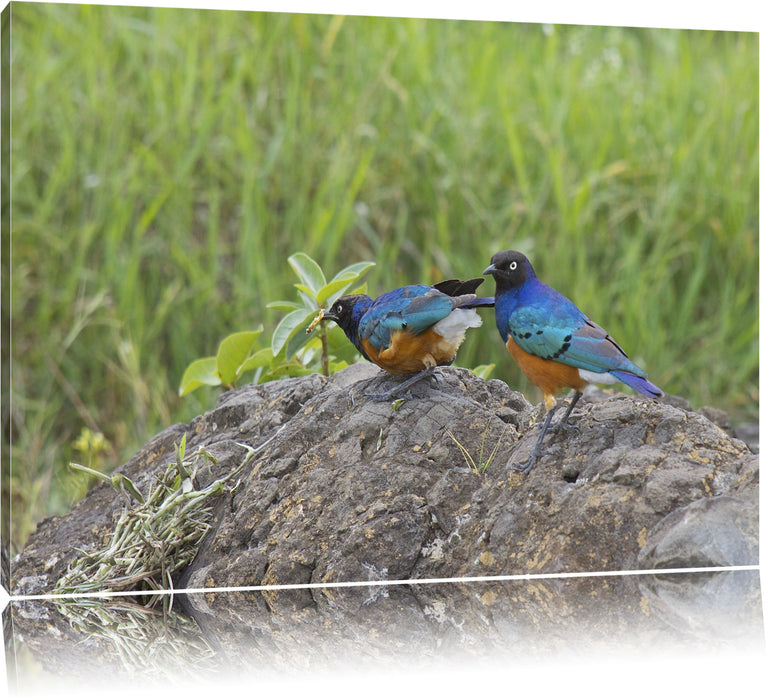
525	466
396	391
435	379
568	427
389	395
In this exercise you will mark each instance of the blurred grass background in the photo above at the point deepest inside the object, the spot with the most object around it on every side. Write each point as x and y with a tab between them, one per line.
166	162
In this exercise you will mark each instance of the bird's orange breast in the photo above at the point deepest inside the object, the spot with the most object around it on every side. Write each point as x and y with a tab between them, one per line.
550	376
409	354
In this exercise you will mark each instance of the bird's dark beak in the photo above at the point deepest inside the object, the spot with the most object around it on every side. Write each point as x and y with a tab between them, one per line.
330	316
490	270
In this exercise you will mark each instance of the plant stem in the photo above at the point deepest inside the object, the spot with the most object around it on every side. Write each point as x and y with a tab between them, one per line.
324	353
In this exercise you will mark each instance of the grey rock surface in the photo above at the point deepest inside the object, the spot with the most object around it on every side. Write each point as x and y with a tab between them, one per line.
344	488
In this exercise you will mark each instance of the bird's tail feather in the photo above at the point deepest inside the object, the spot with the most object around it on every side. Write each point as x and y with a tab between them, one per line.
457	288
640	384
480	301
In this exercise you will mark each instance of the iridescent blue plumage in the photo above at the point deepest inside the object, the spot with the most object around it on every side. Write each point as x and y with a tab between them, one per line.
414	309
412	329
553	342
545	323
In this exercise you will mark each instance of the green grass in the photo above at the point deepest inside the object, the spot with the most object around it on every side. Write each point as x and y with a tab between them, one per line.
165	163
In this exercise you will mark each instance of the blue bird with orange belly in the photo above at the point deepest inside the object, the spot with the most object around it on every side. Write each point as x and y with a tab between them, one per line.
555	345
410	330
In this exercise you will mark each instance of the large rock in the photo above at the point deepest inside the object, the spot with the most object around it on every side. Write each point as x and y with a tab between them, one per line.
346	488
343	489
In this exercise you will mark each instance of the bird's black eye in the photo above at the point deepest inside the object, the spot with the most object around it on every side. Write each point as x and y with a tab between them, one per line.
513	265
339	308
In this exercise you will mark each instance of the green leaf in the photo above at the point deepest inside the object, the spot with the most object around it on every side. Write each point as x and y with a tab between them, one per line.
308	271
361	289
354	270
299	338
305	356
484	371
289	369
90	471
288	324
261	358
331	289
284	305
339	345
117	481
342	282
121	481
198	373
181	452
307	296
306	290
233	351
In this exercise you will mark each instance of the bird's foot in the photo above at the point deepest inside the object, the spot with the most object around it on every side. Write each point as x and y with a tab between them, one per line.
537	451
526	465
390	395
565	425
399	391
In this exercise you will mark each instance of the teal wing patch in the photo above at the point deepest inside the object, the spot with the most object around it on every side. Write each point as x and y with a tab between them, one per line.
412	309
539	334
575	341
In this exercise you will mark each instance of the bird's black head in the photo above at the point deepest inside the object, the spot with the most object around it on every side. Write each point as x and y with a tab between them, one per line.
510	269
342	311
346	312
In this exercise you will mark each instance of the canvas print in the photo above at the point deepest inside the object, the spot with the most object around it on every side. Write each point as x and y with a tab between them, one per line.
337	339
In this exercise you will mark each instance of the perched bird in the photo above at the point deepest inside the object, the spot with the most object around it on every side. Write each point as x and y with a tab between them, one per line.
555	345
412	329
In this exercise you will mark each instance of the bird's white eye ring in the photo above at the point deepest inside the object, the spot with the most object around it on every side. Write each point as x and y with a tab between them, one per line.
513	265
339	308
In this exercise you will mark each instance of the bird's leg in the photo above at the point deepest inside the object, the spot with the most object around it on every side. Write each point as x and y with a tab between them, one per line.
395	392
537	450
563	422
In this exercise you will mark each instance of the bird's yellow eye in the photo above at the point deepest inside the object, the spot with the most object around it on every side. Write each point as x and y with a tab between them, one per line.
513	265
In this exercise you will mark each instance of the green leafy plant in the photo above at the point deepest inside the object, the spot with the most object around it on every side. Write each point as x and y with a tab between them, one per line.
484	371
294	348
155	535
316	295
234	357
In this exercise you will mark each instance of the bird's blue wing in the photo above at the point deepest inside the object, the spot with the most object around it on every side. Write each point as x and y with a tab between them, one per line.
592	347
555	329
412	309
